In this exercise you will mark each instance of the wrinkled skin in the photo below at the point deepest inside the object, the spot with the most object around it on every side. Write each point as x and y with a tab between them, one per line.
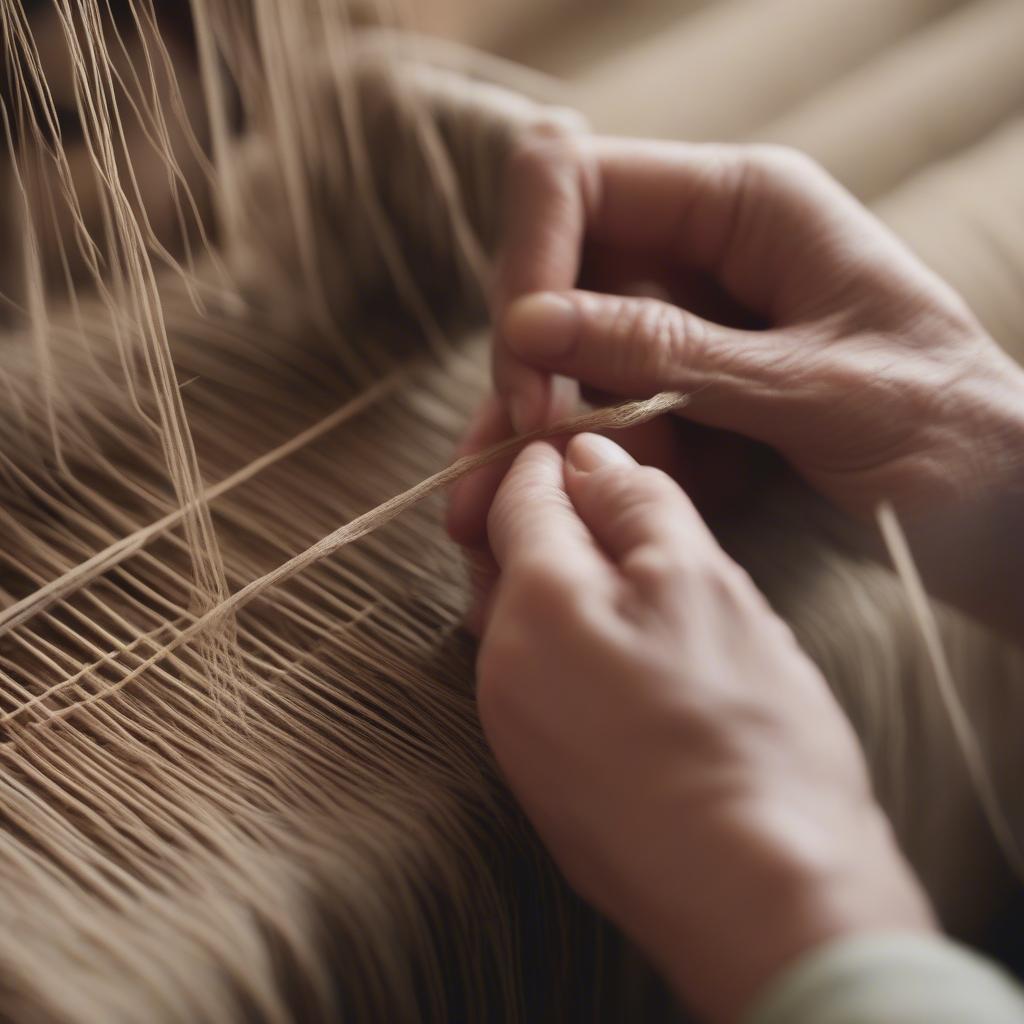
675	749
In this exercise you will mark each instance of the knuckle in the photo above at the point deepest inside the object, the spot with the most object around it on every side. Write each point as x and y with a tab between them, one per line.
649	565
622	488
726	587
696	572
635	496
659	564
956	318
540	593
763	175
654	334
644	489
723	579
782	163
535	576
640	491
546	151
555	157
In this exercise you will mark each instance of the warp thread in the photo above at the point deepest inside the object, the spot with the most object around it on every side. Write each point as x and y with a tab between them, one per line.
617	417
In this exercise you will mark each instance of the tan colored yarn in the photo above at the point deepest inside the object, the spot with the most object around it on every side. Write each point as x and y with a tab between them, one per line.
621	417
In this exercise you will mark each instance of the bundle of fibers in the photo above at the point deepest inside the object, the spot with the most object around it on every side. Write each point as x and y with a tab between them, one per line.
281	808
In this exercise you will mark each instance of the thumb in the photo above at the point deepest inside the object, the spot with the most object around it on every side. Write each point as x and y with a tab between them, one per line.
637	347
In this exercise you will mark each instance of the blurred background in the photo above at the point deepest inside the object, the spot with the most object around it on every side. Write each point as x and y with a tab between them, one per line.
916	105
874	89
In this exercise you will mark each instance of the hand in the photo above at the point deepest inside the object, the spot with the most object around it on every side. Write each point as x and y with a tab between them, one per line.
678	754
866	373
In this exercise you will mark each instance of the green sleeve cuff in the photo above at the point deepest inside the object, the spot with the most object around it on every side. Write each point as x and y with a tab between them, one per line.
891	979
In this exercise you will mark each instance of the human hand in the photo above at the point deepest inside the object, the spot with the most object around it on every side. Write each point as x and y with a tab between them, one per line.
863	370
676	751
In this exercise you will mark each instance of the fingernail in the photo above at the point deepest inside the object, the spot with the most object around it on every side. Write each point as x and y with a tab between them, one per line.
587	452
541	326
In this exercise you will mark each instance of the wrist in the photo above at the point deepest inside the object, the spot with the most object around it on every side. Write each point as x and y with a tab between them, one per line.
777	884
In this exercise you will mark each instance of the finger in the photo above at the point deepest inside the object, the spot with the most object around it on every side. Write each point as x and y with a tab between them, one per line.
630	508
470	498
534	398
548	190
638	347
771	226
616	271
533	524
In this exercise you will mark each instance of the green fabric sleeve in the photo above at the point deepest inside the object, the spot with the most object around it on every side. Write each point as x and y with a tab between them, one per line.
891	979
